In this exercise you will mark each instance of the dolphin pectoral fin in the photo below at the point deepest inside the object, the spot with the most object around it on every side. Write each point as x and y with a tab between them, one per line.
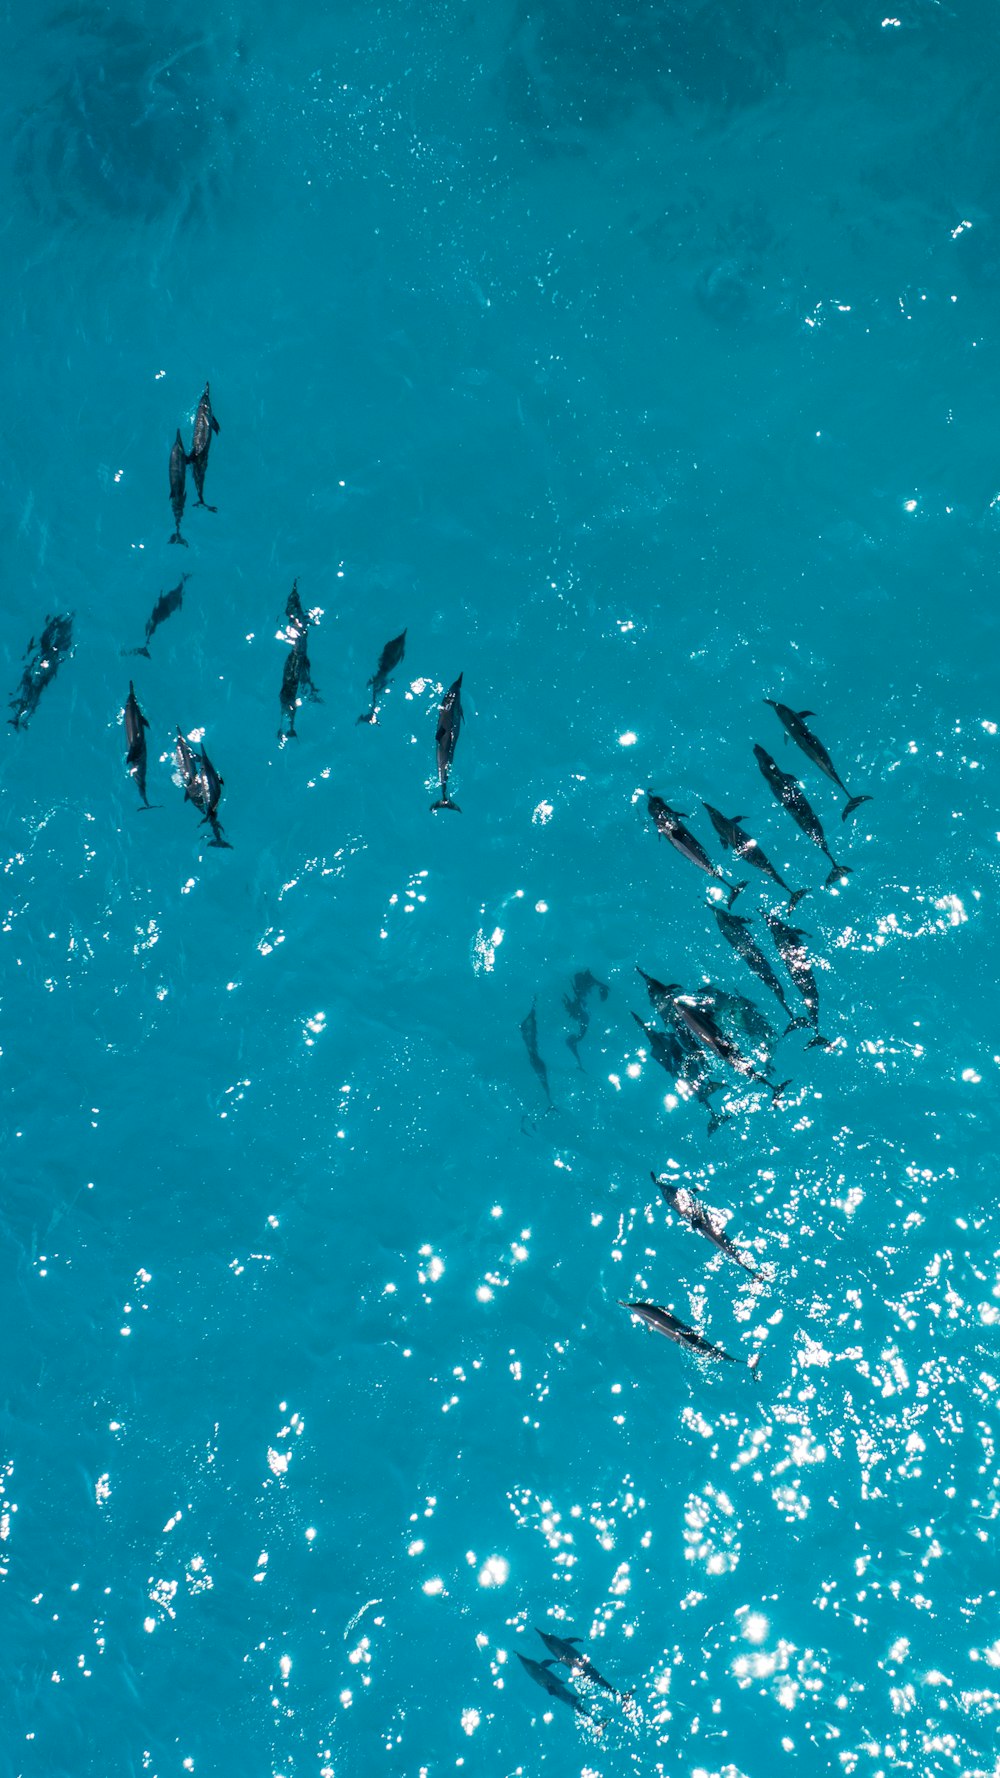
854	803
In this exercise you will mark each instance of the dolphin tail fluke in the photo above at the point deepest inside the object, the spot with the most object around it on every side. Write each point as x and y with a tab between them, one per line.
854	803
819	1042
368	716
796	897
177	538
223	845
143	806
127	653
839	870
445	802
736	889
205	504
777	1091
796	1025
753	1366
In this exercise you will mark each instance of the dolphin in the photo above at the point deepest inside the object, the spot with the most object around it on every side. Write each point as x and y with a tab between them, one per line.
701	1023
583	986
566	1650
54	646
297	682
205	423
388	661
135	736
529	1031
684	1202
669	824
686	1067
794	723
791	950
541	1673
735	930
178	494
735	839
792	797
663	1321
202	786
165	606
450	718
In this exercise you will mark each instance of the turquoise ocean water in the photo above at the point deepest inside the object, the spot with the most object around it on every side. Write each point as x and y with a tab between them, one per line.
643	363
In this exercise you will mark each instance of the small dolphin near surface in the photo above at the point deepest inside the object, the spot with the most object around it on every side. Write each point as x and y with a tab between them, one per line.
792	797
793	954
449	723
583	985
178	490
669	824
205	423
165	606
735	930
529	1031
202	786
135	737
55	645
735	839
794	723
686	1205
702	1024
542	1674
665	1322
388	661
567	1650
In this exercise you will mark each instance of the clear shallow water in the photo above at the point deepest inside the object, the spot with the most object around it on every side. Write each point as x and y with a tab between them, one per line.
637	396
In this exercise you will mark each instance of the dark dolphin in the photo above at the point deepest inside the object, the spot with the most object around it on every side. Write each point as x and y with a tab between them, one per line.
735	839
794	723
735	930
178	493
529	1031
165	606
450	718
202	786
541	1673
669	824
686	1068
55	646
665	1322
793	954
700	1218
135	737
566	1650
297	683
205	423
792	797
388	661
701	1022
583	985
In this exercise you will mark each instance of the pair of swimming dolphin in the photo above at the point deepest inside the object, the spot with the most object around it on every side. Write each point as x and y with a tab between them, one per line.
565	1651
205	423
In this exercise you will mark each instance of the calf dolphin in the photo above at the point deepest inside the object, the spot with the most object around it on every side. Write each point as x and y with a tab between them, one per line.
795	724
165	606
388	661
736	931
584	985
